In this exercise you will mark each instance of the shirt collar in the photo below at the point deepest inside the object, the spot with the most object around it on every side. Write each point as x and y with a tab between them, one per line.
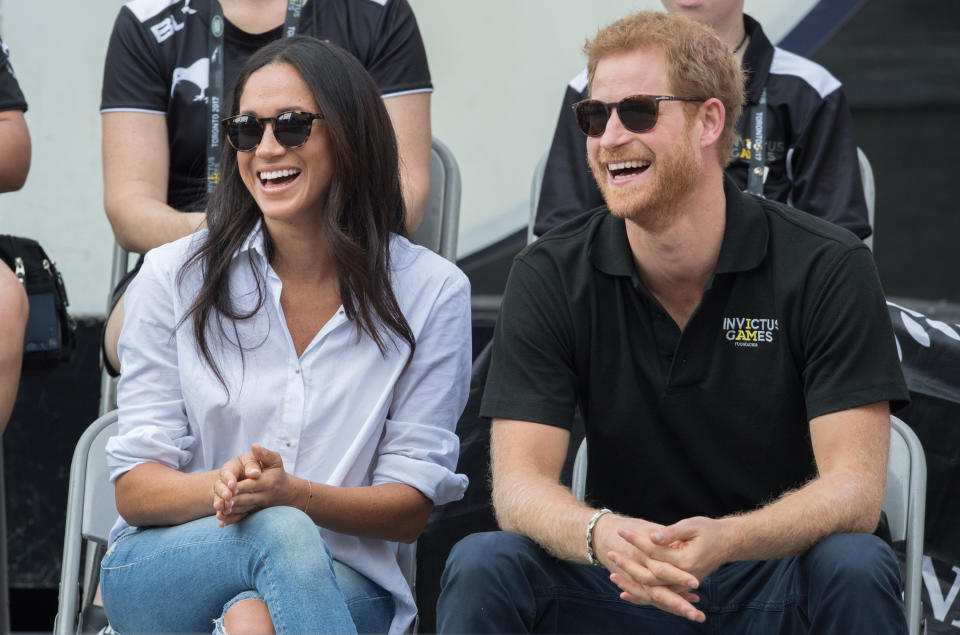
253	242
744	245
609	250
756	59
745	233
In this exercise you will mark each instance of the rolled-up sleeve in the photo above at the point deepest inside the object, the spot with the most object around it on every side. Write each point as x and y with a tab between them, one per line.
152	419
419	446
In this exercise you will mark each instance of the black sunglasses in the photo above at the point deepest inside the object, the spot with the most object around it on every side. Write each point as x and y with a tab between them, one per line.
291	129
637	113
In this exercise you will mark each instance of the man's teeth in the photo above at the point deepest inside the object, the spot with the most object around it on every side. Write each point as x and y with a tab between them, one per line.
627	165
278	174
626	169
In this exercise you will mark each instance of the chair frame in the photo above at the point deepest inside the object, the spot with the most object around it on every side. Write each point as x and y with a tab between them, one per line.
79	529
904	501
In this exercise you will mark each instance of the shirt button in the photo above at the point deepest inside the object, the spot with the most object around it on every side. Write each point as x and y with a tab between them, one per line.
297	371
289	444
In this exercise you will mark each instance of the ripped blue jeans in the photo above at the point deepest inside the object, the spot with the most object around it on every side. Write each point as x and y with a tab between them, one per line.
184	577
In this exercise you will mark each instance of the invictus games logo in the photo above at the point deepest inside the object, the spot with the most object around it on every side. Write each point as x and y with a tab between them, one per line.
749	332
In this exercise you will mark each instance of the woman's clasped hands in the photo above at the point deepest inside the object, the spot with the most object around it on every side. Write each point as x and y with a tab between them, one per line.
253	481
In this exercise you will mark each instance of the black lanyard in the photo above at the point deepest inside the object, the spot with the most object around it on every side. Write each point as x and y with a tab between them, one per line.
215	88
758	152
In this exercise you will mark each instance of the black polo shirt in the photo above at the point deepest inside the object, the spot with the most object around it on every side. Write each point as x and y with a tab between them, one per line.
713	420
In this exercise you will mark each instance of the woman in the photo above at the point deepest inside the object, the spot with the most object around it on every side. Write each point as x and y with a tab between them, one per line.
292	376
158	82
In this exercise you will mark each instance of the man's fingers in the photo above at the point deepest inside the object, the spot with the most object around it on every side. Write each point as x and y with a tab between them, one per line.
665	599
658	596
647	571
637	592
681	530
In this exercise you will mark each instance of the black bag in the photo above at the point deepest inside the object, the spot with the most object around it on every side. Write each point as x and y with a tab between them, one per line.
50	335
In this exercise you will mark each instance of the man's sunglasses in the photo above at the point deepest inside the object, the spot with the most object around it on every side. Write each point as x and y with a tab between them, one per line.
637	113
290	129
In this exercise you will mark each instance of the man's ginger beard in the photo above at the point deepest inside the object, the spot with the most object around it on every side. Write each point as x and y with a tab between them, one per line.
652	205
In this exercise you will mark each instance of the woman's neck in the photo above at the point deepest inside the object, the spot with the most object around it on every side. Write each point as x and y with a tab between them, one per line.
300	254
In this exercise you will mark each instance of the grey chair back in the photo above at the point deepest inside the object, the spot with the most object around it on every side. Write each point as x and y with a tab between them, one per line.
441	216
91	512
904	503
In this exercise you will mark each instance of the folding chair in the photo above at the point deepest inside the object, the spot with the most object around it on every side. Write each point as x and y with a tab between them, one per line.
91	512
904	503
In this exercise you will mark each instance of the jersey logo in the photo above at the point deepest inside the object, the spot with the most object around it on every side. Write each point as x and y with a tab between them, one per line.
197	74
165	29
749	332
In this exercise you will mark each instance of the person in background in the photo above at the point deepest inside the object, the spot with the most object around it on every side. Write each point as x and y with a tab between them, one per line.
160	80
292	378
808	158
733	361
14	165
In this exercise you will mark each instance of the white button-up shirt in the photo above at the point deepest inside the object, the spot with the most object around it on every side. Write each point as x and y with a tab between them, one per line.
340	414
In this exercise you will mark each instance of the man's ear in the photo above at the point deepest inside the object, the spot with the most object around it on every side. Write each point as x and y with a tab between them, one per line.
712	117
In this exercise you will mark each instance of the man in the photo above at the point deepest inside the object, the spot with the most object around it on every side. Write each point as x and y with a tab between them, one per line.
733	361
810	159
14	165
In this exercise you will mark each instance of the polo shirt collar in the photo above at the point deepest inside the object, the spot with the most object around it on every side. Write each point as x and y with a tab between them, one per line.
744	245
745	234
609	250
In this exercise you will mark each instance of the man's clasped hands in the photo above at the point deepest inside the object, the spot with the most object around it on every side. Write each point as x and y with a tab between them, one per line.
661	565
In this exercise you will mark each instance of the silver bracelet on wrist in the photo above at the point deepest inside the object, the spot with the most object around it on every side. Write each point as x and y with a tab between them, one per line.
590	525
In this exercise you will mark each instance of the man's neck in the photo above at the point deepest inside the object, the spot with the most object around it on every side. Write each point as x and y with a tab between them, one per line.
676	261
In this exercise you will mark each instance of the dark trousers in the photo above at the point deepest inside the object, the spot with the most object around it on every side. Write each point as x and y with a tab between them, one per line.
502	582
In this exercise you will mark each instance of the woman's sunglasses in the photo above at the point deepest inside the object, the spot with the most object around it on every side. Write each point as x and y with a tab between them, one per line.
290	129
637	113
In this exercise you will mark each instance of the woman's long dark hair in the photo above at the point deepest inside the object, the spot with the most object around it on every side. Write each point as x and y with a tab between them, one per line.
363	207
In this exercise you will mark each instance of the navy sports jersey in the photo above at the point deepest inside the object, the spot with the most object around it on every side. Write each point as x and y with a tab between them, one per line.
811	151
10	96
158	62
